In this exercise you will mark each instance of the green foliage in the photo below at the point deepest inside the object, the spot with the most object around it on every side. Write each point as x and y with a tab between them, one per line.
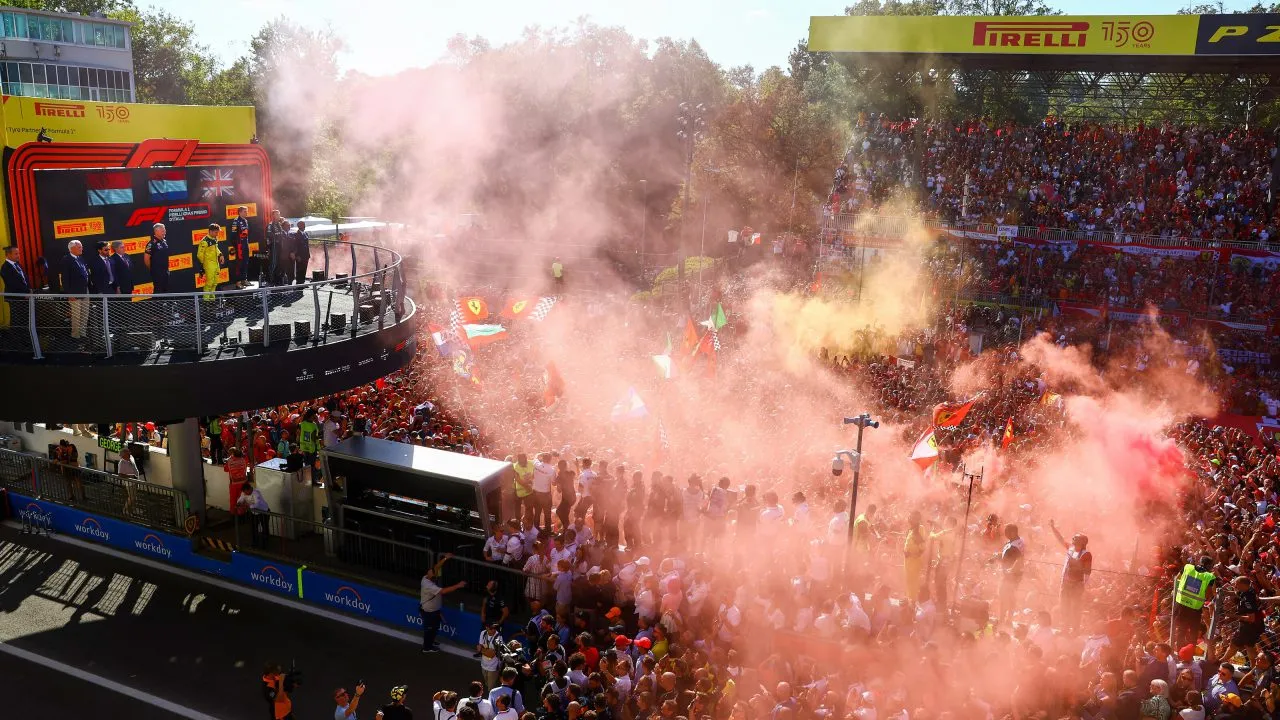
84	7
667	277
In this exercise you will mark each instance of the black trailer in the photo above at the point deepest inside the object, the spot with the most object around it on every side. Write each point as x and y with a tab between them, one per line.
443	500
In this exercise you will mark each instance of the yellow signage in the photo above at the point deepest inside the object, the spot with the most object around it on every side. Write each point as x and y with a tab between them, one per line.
85	121
134	246
1036	35
180	262
78	227
251	210
143	289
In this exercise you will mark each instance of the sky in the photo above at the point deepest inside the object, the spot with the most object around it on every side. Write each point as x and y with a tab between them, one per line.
385	36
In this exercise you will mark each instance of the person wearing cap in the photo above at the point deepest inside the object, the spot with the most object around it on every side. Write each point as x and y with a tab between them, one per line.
347	702
210	260
396	709
1075	573
1191	590
490	655
238	246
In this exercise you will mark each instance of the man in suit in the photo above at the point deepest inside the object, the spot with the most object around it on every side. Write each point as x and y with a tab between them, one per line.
121	268
301	253
101	279
75	281
15	283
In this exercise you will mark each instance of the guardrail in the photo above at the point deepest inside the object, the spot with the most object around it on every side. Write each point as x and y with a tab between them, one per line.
94	491
368	557
361	289
892	226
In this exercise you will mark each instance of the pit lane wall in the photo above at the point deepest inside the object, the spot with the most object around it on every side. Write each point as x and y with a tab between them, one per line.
295	582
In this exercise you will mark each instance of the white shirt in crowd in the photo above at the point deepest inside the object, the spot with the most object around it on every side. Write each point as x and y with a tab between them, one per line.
585	478
772	513
482	706
491	641
543	474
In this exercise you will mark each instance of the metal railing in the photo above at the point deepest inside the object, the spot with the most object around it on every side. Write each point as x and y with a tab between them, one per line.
365	556
93	491
874	226
363	291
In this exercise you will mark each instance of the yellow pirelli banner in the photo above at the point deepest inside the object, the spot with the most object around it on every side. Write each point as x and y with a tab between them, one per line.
1133	35
85	121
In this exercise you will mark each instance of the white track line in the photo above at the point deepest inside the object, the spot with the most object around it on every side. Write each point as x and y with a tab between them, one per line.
112	685
300	605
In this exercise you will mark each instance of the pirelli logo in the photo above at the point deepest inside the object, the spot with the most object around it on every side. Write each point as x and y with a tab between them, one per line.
78	227
1024	34
180	262
251	210
134	246
57	109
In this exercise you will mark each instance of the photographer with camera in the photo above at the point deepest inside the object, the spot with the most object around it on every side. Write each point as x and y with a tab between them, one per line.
347	703
277	687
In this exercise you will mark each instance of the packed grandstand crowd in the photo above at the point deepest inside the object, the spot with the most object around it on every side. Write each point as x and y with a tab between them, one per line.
648	595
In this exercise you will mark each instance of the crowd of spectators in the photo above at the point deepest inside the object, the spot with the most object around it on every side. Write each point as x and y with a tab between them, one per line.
1169	181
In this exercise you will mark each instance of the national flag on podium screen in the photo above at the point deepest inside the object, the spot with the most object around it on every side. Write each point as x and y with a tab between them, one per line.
109	188
1008	435
167	185
218	182
925	452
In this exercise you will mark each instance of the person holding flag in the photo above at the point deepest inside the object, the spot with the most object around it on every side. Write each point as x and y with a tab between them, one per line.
1007	439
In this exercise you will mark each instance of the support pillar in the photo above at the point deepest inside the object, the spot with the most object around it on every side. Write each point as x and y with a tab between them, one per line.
187	463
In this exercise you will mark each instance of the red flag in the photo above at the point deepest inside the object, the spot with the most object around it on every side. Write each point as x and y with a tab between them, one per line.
1008	435
473	309
952	414
925	452
690	343
554	385
517	307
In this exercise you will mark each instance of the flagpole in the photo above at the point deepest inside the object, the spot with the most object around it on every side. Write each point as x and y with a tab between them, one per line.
964	534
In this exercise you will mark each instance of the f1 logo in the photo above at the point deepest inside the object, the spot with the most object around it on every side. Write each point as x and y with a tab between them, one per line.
144	215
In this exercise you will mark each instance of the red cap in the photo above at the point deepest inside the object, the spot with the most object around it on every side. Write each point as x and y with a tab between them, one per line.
621	641
644	643
614	613
1186	653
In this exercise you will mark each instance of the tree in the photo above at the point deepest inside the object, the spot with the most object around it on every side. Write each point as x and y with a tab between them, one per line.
84	7
292	73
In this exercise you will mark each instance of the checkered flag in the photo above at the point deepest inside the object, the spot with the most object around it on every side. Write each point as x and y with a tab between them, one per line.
455	318
715	340
543	307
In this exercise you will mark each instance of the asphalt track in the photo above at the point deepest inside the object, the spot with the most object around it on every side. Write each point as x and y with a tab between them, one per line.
88	634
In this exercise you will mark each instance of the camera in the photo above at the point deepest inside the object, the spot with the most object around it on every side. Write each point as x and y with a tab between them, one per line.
837	465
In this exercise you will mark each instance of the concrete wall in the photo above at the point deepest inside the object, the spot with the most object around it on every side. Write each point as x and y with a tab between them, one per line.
157	469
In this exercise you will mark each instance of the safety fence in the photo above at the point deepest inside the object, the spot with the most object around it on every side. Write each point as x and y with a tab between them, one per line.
359	289
873	226
381	560
93	490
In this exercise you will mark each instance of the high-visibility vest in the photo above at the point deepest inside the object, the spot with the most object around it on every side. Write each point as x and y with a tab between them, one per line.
1193	587
307	434
525	472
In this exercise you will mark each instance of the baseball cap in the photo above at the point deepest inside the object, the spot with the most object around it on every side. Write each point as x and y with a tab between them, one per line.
621	641
644	643
1231	699
1186	653
614	613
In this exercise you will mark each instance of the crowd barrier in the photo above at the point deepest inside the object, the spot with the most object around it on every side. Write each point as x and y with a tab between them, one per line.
295	581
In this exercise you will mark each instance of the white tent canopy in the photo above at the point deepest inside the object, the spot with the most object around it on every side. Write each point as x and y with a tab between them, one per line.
318	227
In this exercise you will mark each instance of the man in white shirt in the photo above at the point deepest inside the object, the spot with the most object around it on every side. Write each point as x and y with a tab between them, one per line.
544	473
347	703
503	710
489	647
431	602
495	548
772	511
478	701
